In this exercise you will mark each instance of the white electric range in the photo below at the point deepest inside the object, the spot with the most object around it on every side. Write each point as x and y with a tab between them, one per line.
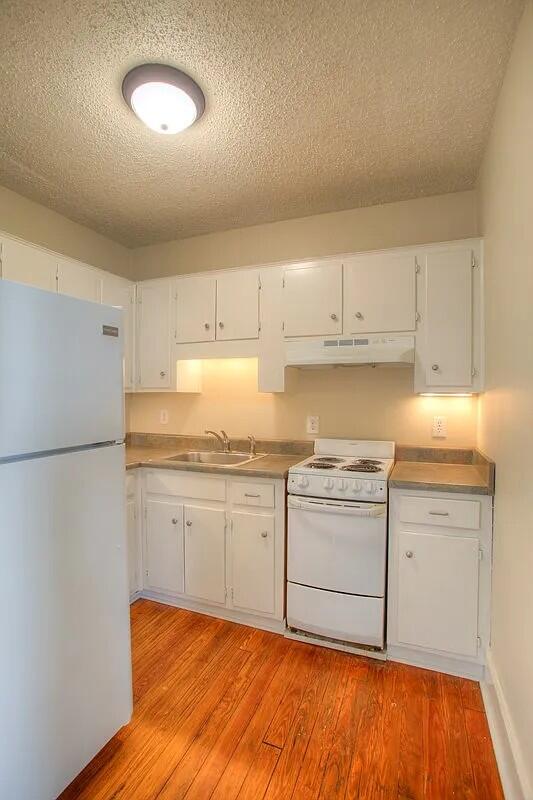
337	541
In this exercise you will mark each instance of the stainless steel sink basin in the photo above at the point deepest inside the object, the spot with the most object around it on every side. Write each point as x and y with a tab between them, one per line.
200	457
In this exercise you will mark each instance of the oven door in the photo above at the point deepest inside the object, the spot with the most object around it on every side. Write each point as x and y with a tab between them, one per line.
338	546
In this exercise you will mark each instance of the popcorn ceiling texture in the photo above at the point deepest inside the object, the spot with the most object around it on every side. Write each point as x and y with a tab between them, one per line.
312	106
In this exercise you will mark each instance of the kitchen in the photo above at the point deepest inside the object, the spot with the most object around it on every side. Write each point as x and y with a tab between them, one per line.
329	599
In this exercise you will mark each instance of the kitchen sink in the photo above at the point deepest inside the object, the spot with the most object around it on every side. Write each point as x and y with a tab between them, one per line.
209	457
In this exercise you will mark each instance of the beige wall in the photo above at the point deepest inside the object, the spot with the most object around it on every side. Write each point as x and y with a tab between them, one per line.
428	219
355	402
42	226
506	410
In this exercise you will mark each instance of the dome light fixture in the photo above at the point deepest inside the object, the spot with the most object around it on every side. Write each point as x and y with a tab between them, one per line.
163	97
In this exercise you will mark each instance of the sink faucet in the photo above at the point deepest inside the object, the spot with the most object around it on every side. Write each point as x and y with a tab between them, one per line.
222	439
253	444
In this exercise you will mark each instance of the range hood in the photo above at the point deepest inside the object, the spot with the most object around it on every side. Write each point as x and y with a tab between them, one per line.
375	349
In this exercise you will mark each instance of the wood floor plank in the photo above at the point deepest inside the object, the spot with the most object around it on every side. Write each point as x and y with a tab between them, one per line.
255	680
213	698
289	764
486	777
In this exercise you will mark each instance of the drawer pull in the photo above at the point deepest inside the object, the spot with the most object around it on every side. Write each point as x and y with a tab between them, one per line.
439	513
247	494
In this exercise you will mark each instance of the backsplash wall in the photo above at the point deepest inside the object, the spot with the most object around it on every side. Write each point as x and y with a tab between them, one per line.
355	402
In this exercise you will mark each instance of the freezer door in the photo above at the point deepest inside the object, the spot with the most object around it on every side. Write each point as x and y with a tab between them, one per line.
65	670
60	371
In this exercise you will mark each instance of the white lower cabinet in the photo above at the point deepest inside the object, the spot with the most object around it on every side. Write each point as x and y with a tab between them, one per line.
205	554
133	536
216	544
439	580
253	562
163	554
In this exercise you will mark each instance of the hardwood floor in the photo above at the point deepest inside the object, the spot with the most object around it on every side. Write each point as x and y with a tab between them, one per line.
232	713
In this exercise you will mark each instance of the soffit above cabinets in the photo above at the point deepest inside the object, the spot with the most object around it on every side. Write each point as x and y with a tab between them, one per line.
308	110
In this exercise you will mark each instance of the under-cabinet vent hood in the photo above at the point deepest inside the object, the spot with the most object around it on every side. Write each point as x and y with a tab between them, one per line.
377	349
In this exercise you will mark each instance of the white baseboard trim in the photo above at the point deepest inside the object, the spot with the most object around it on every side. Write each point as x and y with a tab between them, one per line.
511	762
435	662
241	618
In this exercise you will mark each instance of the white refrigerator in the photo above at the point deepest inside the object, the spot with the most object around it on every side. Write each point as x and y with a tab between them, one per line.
65	661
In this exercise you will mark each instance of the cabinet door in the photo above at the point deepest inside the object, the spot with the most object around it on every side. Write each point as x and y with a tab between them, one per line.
164	546
380	293
153	304
447	318
120	293
195	309
238	305
205	561
253	562
133	547
438	579
26	264
312	300
80	281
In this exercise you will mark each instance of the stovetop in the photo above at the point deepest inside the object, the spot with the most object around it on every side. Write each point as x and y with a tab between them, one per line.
336	466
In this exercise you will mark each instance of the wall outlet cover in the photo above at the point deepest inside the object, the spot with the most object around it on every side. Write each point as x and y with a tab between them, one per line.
313	424
440	428
163	416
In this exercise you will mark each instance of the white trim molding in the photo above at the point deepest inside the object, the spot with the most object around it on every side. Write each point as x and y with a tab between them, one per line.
509	755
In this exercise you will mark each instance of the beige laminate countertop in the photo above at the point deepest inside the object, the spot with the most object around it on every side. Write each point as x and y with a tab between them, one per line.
268	466
460	478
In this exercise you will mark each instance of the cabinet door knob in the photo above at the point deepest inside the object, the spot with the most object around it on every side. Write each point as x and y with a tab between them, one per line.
333	316
174	521
206	325
220	324
162	373
409	553
358	315
435	367
264	534
188	523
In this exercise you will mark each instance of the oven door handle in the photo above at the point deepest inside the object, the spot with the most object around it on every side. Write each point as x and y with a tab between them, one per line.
374	510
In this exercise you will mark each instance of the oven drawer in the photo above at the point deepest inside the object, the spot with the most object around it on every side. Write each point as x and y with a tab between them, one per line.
344	617
338	547
437	511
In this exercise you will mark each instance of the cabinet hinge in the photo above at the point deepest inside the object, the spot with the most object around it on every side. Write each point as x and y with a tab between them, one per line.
283	282
478	642
146	572
232	595
474	372
474	263
259	328
417	266
282	326
418	316
259	284
480	554
226	592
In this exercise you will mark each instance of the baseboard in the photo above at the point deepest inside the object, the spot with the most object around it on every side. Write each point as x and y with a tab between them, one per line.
511	762
241	618
427	660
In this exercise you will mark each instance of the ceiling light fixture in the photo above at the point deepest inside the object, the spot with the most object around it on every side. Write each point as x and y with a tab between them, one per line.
163	97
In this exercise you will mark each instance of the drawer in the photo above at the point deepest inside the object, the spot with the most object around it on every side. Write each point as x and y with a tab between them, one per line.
130	485
253	494
182	484
439	511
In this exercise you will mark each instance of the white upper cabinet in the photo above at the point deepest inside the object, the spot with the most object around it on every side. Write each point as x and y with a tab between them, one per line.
238	305
195	309
312	299
77	280
120	293
153	307
24	263
380	293
449	340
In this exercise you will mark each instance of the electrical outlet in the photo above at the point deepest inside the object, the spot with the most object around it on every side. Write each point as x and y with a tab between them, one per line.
313	424
163	416
440	428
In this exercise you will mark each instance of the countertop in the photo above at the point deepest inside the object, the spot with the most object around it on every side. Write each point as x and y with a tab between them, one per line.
460	478
267	466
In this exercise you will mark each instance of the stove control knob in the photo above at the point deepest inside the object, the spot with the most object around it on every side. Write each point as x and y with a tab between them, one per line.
356	486
342	485
302	482
329	483
370	487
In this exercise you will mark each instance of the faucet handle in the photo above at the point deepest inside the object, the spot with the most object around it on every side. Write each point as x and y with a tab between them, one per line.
252	441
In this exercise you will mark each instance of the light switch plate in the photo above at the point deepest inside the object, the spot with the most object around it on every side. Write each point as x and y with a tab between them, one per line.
313	424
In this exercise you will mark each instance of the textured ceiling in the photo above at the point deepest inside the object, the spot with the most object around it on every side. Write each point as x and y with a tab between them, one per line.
312	106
